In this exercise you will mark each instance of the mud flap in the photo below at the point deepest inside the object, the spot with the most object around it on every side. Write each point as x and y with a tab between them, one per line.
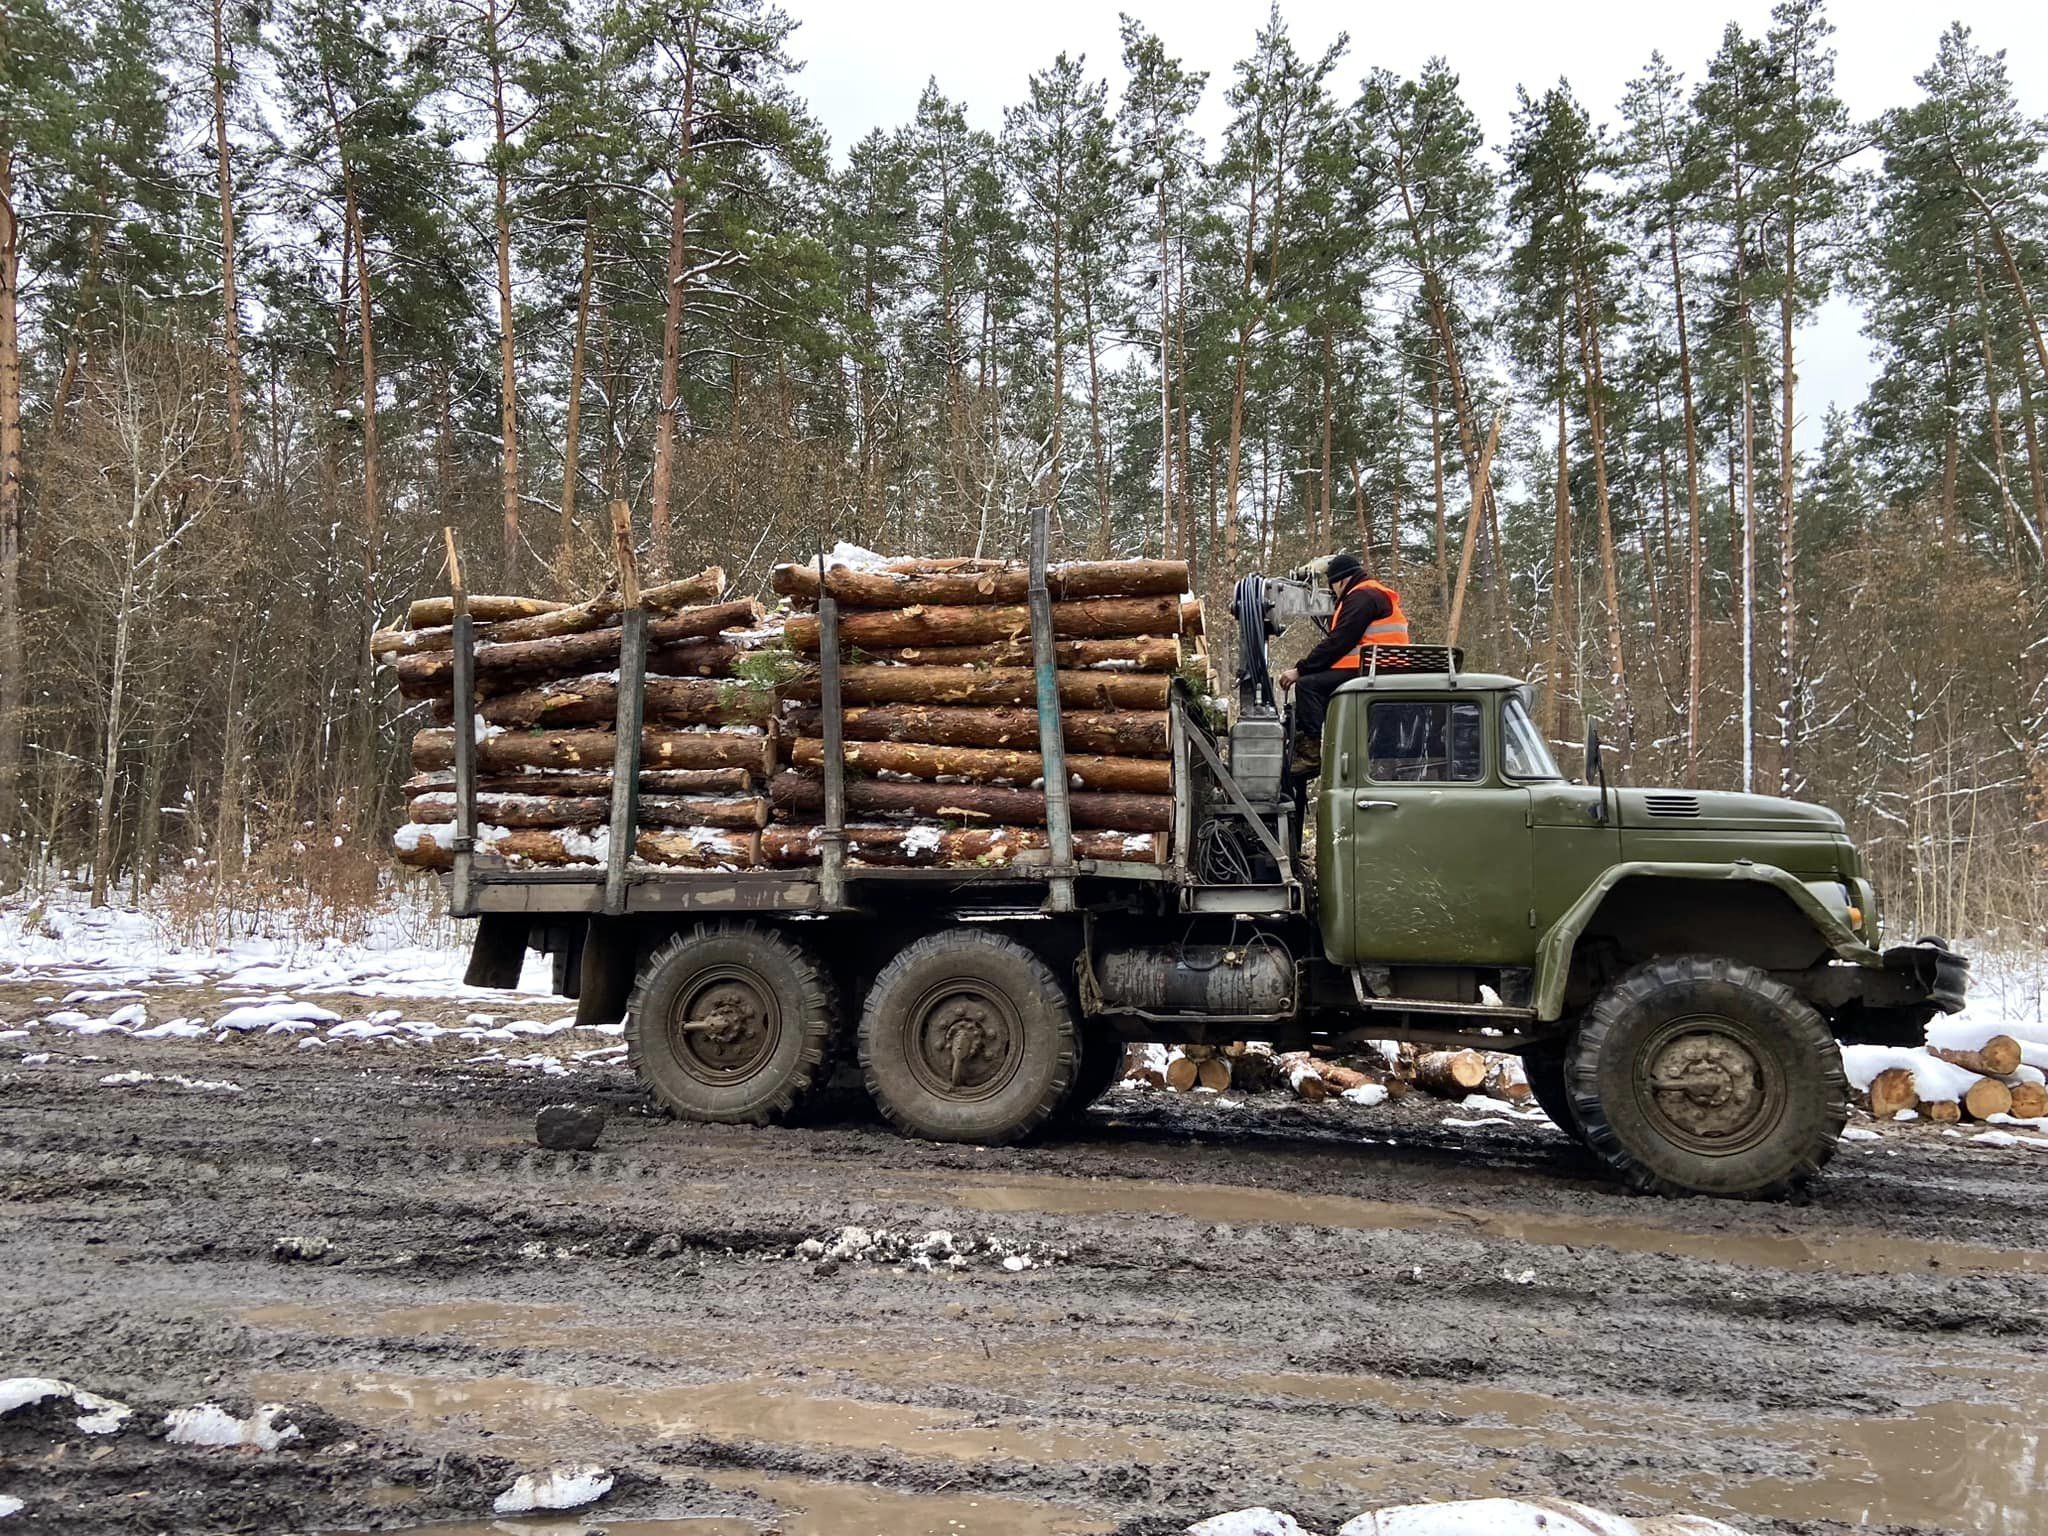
498	954
610	951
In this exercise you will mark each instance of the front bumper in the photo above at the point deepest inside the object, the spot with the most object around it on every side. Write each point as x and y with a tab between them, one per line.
1930	971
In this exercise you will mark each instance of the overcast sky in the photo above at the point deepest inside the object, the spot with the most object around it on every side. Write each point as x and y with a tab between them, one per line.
866	63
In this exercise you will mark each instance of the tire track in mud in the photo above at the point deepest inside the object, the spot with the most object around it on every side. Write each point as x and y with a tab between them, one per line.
1218	1336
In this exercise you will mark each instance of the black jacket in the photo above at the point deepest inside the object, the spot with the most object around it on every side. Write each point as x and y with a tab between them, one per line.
1361	609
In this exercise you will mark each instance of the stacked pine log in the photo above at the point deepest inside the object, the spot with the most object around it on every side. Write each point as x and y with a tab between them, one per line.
545	714
1997	1077
939	709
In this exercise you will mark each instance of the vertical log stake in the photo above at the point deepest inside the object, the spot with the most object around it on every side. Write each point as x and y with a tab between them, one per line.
832	838
1052	742
632	706
460	900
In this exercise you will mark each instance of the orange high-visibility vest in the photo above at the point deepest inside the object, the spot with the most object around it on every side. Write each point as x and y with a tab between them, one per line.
1392	630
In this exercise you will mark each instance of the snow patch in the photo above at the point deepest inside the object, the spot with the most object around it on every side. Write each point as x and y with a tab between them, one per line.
98	1415
1860	1133
1257	1521
556	1488
211	1424
276	1010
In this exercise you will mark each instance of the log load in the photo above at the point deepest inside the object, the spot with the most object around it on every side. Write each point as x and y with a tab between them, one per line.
991	687
2029	1101
1987	1097
1101	618
1891	1091
1133	775
502	810
599	611
858	587
1137	653
1192	621
1997	1057
535	781
595	700
1453	1074
985	847
421	847
800	796
1942	1111
484	609
1108	733
431	672
685	658
510	752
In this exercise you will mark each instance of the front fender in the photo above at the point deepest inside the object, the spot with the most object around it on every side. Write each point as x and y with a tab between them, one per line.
1554	950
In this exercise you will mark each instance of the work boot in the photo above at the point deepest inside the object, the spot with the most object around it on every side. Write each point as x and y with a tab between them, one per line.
1307	760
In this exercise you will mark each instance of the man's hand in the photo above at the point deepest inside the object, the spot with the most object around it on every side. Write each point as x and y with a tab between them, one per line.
1289	678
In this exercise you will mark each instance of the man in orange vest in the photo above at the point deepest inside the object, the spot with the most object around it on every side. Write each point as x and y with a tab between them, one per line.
1368	613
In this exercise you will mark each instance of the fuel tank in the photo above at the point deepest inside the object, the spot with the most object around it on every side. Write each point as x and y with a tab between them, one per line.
1250	978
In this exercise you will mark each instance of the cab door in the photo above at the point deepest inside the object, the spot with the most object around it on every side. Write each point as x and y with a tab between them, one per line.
1440	845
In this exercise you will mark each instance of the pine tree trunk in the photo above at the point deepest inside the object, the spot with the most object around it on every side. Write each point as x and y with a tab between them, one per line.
572	424
1695	534
508	381
12	685
1443	537
1095	427
668	409
1788	512
2036	477
1596	419
1560	555
1166	445
231	317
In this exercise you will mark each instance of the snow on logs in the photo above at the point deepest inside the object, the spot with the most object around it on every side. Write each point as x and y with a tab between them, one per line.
1946	1084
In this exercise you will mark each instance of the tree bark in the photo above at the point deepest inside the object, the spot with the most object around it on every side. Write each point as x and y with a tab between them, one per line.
1452	1074
979	765
984	847
483	609
1695	536
1139	654
745	812
12	683
1596	416
595	701
2035	476
1093	619
1079	580
231	318
669	405
598	612
800	795
572	425
1560	555
1114	734
987	687
508	380
435	748
697	848
535	781
566	655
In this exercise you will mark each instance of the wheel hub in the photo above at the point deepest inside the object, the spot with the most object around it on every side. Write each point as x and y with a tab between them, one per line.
724	1029
1709	1085
965	1044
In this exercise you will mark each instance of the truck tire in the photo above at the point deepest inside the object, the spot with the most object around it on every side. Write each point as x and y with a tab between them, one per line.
1695	1075
968	1036
1543	1065
1102	1063
732	1023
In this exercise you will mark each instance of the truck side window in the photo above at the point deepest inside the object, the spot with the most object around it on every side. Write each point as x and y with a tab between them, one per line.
1424	743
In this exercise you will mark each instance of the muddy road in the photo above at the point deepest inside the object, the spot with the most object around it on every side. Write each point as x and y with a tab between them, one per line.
1323	1308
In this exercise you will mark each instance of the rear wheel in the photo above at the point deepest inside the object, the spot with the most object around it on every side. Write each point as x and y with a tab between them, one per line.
732	1023
1696	1075
968	1036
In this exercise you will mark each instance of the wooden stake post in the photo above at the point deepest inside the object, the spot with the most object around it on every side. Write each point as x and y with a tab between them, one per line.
464	639
625	815
1052	741
832	838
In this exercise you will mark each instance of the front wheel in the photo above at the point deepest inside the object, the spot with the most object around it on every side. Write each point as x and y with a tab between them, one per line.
968	1036
1543	1066
1696	1075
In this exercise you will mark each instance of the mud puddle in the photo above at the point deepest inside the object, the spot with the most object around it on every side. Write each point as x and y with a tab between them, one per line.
535	1419
1239	1204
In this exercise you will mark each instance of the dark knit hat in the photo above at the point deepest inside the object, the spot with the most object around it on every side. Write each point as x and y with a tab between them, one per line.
1343	568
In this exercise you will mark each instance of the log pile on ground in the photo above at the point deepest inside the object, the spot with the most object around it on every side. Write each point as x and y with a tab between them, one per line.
1965	1072
939	710
1373	1074
545	714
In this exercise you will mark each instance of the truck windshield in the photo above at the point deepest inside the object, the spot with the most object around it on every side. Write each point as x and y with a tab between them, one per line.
1523	754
